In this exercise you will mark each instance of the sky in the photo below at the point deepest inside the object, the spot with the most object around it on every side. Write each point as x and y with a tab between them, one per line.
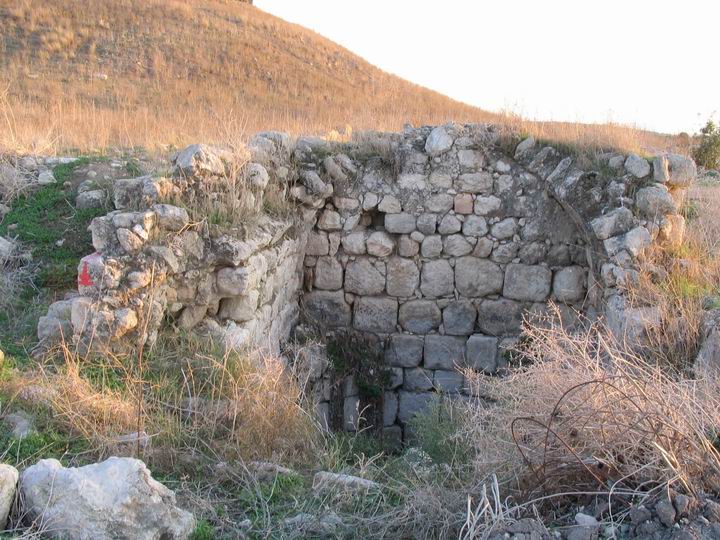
650	64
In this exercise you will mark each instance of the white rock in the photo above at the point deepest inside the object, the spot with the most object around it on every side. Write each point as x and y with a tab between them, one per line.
328	480
438	142
8	484
117	498
7	249
200	160
380	244
257	175
45	178
637	166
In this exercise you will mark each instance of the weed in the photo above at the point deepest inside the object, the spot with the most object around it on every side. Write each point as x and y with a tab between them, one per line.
203	531
437	432
47	222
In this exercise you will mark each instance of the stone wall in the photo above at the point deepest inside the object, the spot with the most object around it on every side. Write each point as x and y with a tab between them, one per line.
436	242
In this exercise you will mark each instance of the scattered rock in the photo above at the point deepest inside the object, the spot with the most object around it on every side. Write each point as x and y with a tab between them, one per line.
8	485
342	482
117	498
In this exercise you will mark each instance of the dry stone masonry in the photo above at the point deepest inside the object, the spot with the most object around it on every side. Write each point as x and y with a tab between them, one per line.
436	242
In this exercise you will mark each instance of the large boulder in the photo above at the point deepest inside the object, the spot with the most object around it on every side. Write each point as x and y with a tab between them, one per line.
117	498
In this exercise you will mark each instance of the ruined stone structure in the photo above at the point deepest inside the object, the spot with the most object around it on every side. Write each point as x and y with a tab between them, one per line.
434	241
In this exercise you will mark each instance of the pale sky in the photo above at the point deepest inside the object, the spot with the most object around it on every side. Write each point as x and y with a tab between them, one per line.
652	64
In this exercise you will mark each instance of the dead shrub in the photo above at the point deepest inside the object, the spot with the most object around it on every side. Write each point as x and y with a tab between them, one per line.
584	415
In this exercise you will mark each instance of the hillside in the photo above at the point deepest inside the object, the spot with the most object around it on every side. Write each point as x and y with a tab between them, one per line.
157	72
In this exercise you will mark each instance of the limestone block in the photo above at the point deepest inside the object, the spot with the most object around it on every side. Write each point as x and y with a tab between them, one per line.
504	229
500	317
372	314
459	318
449	224
475	226
463	203
328	274
354	243
438	142
477	277
505	253
240	308
637	166
443	352
480	182
390	205
404	351
418	380
419	316
329	221
380	244
633	242
683	171
169	217
427	223
448	382
362	277
483	248
527	282
569	284
192	315
661	169
440	179
440	203
327	308
411	404
390	408
407	247
403	277
431	246
456	245
233	281
615	222
487	205
399	223
114	498
471	159
524	147
482	353
654	201
437	278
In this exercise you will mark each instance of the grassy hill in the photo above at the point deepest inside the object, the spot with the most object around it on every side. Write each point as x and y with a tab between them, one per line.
157	72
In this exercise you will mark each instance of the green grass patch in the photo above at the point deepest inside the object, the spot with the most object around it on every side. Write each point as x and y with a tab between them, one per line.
40	445
49	224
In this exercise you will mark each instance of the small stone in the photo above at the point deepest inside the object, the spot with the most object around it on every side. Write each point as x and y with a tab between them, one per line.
426	223
463	203
438	142
407	246
475	226
569	284
480	182
431	247
665	512
456	245
504	229
449	224
637	166
328	274
233	281
524	147
390	205
329	221
354	243
380	244
487	205
8	483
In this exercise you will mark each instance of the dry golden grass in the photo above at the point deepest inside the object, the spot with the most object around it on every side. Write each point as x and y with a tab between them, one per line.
589	416
683	282
164	72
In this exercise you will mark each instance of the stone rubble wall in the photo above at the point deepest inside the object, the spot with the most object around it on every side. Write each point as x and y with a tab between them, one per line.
436	241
